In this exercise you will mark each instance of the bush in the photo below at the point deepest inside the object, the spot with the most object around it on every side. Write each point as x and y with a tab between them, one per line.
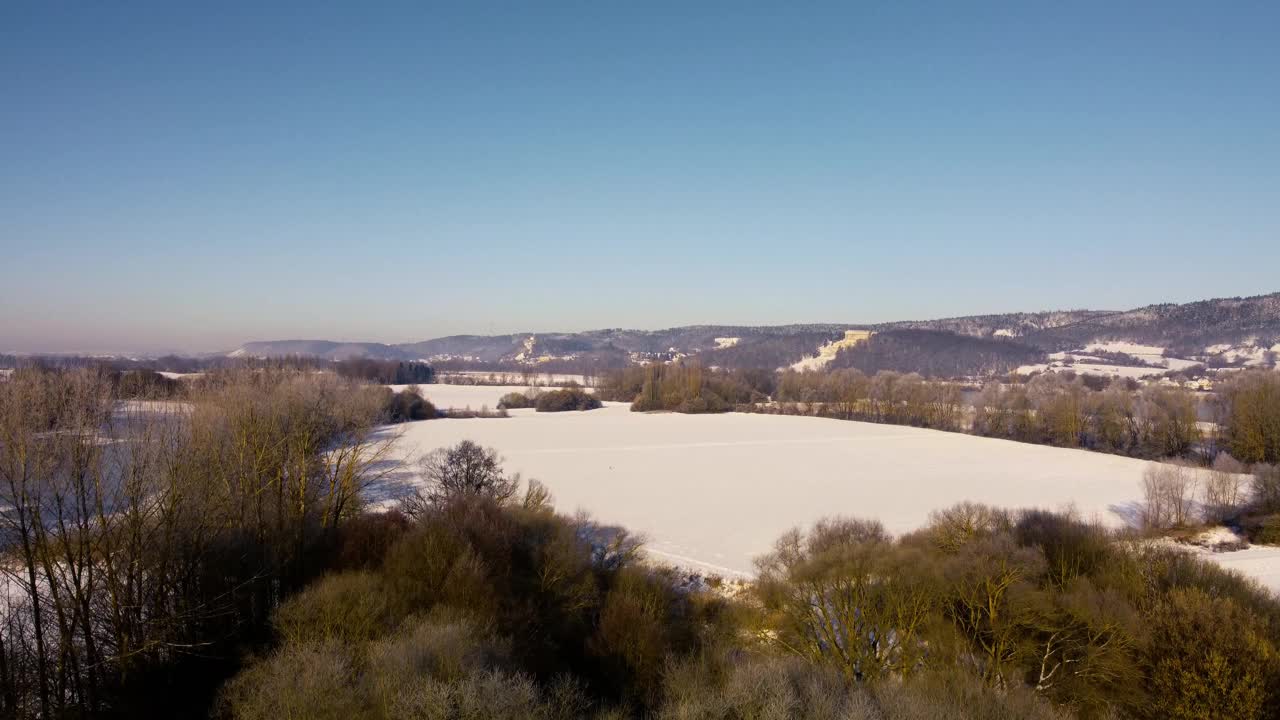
781	689
1168	491
687	388
363	542
567	399
1210	658
1249	415
1264	530
312	680
1266	487
439	648
408	405
1222	489
347	607
516	401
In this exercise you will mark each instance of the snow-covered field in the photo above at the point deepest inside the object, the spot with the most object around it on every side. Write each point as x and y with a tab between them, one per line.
180	376
714	491
1260	562
1085	363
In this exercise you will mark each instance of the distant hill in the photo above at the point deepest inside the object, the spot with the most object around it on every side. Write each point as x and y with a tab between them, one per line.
318	348
1223	331
1186	329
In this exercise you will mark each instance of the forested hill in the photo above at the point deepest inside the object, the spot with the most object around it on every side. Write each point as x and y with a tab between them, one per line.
1226	327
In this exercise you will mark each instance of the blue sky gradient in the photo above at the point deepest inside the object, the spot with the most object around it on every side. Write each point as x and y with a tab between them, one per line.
192	176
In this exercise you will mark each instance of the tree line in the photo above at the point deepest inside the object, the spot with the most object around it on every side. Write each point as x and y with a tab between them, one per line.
686	387
143	545
563	399
1050	408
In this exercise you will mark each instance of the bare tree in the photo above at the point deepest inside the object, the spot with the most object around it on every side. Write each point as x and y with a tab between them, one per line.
1168	492
1222	488
466	469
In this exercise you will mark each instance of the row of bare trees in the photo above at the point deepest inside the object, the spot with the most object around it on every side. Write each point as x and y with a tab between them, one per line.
886	397
1156	421
141	541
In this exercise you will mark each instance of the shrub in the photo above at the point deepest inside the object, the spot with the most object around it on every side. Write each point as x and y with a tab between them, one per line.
439	648
465	469
1209	657
516	401
1264	530
1266	487
952	528
1168	491
434	565
1250	415
567	399
845	597
781	689
363	541
347	607
1222	496
1071	548
408	405
760	688
311	680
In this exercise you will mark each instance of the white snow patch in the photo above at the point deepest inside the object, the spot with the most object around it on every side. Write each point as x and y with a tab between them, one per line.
726	342
828	352
1247	354
1260	562
1128	348
1003	332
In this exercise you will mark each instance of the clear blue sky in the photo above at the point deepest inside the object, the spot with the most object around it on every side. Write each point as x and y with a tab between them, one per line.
194	175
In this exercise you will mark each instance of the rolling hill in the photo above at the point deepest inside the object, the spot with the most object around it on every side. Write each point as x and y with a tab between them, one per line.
1225	331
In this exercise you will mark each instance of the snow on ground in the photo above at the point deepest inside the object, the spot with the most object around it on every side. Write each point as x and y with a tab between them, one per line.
1260	562
726	342
1084	368
1180	363
827	352
1092	365
1153	353
1250	353
141	408
713	492
180	376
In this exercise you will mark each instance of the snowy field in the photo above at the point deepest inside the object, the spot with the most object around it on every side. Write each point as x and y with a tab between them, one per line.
712	492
